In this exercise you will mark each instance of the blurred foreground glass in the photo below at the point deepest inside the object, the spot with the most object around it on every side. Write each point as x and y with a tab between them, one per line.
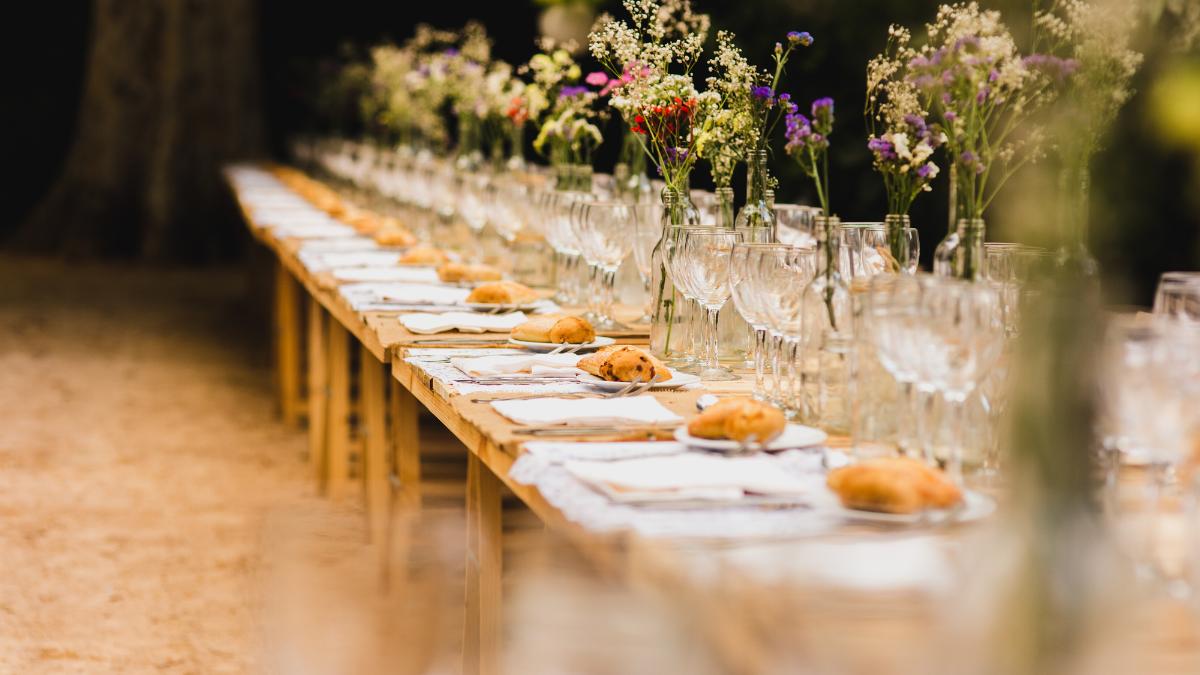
1178	295
647	230
748	299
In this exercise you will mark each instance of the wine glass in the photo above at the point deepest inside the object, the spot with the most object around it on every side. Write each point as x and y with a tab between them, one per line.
914	250
647	230
686	359
704	267
783	274
794	224
747	299
605	243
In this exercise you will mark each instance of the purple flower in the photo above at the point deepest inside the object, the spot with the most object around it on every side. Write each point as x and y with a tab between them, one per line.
925	169
822	112
970	161
762	93
950	116
800	38
676	155
1052	66
452	51
983	94
572	90
883	148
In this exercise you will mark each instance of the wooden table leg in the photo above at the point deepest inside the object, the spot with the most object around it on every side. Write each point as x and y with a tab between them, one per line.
372	390
288	310
318	391
406	444
481	639
338	423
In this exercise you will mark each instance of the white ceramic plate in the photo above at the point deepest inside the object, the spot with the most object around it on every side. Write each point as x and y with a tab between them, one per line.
543	347
975	506
495	307
793	436
677	380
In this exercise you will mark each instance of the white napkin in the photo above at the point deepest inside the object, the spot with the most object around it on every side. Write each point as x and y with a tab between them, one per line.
344	244
315	231
537	364
329	261
418	275
466	322
628	410
689	476
422	294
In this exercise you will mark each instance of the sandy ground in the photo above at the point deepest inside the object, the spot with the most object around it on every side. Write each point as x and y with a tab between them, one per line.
141	459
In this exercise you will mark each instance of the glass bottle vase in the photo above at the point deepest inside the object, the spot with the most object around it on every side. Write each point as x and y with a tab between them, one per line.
827	339
896	226
668	334
756	219
961	253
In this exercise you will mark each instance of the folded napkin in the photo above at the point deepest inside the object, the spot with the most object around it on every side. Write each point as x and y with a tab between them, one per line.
536	364
418	275
330	261
465	322
690	476
628	410
420	294
339	245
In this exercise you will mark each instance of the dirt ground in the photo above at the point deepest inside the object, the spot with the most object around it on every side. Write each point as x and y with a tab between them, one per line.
145	478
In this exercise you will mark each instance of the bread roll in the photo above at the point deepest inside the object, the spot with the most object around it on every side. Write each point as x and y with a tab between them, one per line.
502	293
392	233
893	485
622	363
424	255
555	330
452	272
739	419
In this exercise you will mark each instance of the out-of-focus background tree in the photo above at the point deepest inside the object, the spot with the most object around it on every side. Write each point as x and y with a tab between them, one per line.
124	110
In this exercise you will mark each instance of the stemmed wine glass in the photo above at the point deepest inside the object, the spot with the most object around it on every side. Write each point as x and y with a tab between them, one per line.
704	267
781	277
647	230
685	359
747	295
605	242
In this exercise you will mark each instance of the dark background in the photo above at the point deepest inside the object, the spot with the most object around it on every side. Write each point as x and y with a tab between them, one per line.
1144	214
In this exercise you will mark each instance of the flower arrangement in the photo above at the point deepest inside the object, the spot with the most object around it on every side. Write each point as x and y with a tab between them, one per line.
808	144
901	139
971	76
566	111
662	107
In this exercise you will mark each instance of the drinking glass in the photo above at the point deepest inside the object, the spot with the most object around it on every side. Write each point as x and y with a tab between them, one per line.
605	243
783	274
794	224
747	299
704	263
850	249
647	230
914	250
892	312
684	359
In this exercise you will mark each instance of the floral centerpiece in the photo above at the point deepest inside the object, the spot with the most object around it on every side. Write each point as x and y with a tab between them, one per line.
1092	45
650	61
566	111
972	77
901	139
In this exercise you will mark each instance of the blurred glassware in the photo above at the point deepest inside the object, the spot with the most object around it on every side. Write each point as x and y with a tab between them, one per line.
826	358
794	224
783	275
605	242
704	262
1178	295
748	297
647	230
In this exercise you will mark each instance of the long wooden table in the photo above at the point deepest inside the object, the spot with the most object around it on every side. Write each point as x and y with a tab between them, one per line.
319	337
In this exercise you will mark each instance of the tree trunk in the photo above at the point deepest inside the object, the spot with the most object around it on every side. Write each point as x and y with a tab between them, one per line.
170	94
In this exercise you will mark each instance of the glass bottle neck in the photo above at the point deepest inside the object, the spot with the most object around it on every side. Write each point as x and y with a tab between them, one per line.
757	177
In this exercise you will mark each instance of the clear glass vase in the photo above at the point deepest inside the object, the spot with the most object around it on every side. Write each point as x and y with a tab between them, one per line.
896	226
756	219
724	207
961	253
668	330
827	339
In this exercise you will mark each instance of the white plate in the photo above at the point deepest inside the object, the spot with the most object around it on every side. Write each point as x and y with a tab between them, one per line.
975	506
543	347
677	380
495	307
793	436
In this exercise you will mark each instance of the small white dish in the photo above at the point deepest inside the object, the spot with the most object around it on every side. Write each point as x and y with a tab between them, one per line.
498	307
975	506
677	380
544	347
793	436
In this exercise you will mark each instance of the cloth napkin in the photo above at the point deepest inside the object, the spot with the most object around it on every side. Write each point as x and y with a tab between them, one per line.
315	231
689	476
343	245
627	410
330	261
418	293
417	275
465	322
536	364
